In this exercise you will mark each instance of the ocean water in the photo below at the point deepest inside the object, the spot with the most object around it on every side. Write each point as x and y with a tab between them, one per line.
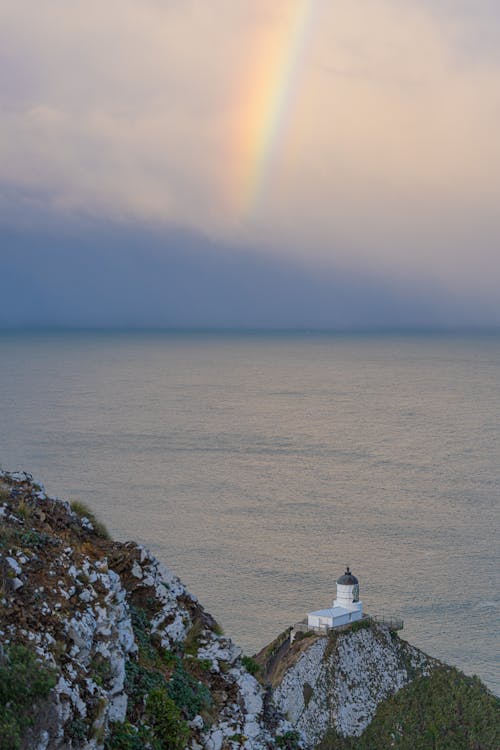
258	466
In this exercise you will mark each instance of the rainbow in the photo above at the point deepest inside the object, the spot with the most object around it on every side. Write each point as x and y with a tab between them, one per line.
277	58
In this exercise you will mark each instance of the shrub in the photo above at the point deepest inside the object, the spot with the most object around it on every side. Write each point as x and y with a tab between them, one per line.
166	721
127	737
139	680
289	740
23	682
188	694
141	628
250	665
37	539
100	668
77	729
204	664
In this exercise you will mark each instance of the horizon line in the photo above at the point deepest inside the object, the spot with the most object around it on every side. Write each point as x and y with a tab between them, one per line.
249	330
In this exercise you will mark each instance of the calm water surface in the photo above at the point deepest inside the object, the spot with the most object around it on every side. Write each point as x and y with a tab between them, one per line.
258	466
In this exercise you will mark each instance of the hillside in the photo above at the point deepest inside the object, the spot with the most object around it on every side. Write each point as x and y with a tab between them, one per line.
103	648
125	657
365	688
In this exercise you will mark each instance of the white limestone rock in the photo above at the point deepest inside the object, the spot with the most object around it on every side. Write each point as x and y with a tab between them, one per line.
14	565
340	684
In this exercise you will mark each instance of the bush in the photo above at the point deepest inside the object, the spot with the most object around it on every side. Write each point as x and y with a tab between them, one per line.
37	539
141	627
77	729
23	682
139	681
127	737
187	693
250	665
289	740
166	721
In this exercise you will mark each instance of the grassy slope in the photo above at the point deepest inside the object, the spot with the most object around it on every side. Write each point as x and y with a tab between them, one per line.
446	711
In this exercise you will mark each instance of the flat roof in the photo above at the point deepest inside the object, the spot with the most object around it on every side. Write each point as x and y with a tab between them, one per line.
332	612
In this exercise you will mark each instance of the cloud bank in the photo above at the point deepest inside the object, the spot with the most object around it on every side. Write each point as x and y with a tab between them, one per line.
384	160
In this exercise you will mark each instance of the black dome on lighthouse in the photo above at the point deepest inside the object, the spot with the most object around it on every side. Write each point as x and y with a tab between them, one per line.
347	579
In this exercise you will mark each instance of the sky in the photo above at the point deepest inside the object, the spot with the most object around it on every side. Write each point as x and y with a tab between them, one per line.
247	163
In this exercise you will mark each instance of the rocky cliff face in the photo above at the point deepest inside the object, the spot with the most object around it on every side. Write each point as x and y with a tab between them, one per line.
103	648
132	659
337	682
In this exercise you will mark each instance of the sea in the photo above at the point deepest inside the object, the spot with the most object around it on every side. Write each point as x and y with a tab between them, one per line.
258	465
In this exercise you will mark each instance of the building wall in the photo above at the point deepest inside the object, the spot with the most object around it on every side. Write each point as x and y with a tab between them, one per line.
344	597
315	621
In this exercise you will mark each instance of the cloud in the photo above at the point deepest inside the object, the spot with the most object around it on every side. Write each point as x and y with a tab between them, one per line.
105	276
387	159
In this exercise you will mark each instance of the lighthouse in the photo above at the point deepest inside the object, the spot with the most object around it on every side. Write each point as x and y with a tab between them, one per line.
346	607
347	592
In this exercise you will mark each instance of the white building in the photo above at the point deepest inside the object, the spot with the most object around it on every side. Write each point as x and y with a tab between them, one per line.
345	609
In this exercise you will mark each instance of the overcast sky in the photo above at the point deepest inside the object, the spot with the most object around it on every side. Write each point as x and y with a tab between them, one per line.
294	163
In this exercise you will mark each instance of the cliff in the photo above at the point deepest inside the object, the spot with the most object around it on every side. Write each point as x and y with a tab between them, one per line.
103	648
336	683
127	658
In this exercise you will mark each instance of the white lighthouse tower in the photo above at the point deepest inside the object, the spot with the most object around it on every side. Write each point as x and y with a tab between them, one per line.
346	607
348	592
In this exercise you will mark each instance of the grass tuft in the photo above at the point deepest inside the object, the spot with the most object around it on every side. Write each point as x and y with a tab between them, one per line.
83	511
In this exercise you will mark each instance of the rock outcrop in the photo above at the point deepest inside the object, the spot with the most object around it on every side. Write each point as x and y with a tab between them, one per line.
132	653
336	682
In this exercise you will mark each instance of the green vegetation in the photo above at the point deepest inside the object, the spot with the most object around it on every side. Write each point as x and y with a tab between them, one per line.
166	721
218	629
101	670
163	694
12	538
141	628
37	539
83	511
127	737
204	664
250	665
192	641
238	737
188	694
139	681
364	624
289	740
446	711
77	729
24	681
